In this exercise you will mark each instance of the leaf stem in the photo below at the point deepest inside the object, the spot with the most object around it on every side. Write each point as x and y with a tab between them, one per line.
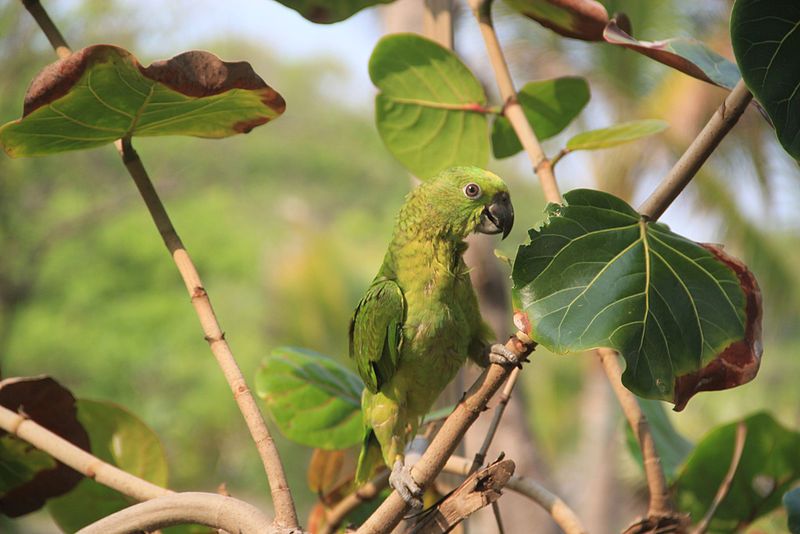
47	26
482	9
725	486
216	511
721	122
285	513
391	511
562	514
77	458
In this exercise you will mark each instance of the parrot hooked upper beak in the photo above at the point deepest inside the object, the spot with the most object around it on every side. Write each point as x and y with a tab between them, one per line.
498	216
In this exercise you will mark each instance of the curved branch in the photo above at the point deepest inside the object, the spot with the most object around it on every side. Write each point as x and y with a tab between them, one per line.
447	439
77	458
562	514
210	509
367	492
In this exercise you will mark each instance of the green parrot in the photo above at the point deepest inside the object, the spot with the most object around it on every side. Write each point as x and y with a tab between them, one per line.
419	320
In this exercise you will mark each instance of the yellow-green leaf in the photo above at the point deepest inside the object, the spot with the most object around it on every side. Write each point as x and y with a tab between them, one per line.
616	135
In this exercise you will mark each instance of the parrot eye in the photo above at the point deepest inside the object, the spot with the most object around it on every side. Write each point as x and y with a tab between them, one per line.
472	190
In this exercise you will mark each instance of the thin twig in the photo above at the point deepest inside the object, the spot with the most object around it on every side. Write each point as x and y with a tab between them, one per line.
77	458
505	396
497	517
455	426
562	514
725	486
210	509
724	118
367	492
285	513
660	503
482	10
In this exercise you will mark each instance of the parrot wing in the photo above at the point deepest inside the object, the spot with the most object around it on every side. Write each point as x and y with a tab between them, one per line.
376	332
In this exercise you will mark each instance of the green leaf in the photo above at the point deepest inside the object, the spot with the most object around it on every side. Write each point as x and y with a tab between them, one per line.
314	400
791	501
430	110
330	11
671	446
616	135
102	93
689	56
769	465
121	439
28	477
579	19
549	106
765	40
598	275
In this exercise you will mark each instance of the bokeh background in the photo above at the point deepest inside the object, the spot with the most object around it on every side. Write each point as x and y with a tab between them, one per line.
288	224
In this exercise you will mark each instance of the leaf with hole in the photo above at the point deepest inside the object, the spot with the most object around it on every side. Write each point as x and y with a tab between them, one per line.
102	93
430	111
579	19
689	56
766	38
313	399
121	439
549	106
685	317
330	11
616	135
769	466
28	476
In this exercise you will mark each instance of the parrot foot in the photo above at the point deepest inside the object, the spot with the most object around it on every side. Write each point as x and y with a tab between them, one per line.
402	481
499	354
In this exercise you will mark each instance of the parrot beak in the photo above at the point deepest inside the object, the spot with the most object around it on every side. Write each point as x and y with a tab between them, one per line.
498	216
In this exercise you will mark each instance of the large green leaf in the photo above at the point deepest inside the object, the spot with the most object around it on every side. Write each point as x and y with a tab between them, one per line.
769	465
430	109
121	439
549	105
313	399
791	501
102	93
671	446
28	477
579	19
616	135
598	275
689	56
766	39
329	11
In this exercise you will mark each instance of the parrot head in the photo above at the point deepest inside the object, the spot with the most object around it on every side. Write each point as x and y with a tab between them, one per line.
463	200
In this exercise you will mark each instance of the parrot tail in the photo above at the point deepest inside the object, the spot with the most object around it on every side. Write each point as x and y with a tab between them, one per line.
370	458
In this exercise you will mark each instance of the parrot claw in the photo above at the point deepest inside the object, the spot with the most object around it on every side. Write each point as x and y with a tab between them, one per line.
402	481
499	354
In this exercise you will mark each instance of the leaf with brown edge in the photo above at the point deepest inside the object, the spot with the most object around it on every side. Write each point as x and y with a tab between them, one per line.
579	19
102	93
739	362
52	406
686	55
324	469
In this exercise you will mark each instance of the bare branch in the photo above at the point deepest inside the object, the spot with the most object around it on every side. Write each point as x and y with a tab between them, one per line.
660	502
479	489
558	509
210	509
77	458
455	426
482	10
505	396
725	486
698	152
367	492
49	29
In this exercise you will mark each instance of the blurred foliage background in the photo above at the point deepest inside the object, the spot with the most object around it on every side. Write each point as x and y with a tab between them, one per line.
288	224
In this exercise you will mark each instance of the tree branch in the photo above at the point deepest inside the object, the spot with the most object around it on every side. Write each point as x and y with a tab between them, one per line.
285	512
562	514
505	396
482	9
698	152
367	492
210	509
77	458
725	486
455	426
